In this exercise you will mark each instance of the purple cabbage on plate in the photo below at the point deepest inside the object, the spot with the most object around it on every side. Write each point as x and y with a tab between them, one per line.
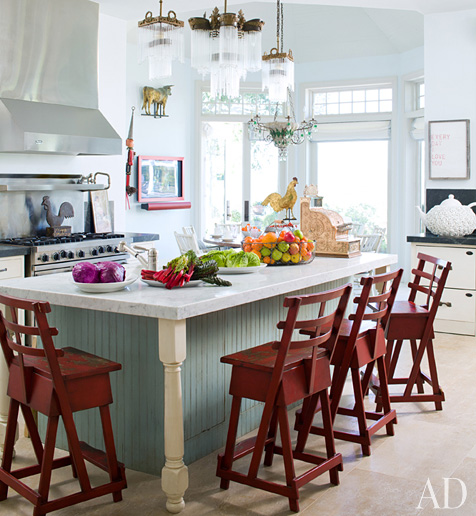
111	272
86	272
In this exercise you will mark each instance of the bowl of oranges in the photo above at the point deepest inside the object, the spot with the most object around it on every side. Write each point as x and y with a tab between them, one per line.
284	248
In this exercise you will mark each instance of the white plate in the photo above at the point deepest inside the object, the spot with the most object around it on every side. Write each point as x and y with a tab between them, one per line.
228	239
216	236
240	270
152	283
101	288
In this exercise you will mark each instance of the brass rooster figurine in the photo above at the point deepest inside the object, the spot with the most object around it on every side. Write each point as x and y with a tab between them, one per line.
285	202
66	211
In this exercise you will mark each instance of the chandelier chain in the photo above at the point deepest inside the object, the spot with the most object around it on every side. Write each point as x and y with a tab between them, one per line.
291	105
277	27
282	28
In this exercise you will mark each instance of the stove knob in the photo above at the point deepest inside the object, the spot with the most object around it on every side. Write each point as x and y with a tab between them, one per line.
116	250
101	249
94	252
71	255
109	249
45	258
81	254
63	254
56	256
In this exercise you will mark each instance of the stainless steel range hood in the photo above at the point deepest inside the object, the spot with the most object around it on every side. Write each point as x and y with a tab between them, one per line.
48	79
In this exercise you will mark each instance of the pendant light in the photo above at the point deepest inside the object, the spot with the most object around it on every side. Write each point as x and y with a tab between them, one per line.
226	47
278	66
161	42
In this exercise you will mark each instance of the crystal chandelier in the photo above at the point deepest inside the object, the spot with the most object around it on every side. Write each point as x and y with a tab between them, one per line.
226	47
282	133
161	42
278	66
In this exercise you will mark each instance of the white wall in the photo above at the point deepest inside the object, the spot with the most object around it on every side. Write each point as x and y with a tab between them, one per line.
111	79
172	136
450	77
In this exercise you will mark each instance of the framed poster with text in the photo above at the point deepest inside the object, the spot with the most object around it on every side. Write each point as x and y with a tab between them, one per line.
449	149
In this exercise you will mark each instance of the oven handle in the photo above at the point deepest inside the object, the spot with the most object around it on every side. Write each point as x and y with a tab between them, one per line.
4	270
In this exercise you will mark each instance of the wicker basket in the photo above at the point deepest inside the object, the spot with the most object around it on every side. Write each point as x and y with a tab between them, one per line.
282	253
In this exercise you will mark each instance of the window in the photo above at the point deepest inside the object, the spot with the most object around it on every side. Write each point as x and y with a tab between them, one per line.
353	100
350	152
233	168
420	95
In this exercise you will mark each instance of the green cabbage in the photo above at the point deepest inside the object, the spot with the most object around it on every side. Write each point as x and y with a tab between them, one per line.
253	260
239	259
217	256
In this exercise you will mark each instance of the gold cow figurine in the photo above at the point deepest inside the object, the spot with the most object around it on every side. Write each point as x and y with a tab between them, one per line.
157	96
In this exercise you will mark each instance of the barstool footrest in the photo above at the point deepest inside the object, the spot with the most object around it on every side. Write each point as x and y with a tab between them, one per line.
96	457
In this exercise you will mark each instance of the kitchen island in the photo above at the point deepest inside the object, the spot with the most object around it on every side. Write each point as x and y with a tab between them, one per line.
161	414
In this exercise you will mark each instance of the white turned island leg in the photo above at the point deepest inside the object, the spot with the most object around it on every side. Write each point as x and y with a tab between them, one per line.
172	352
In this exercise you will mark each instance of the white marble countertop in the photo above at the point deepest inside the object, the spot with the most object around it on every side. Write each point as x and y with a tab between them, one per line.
182	303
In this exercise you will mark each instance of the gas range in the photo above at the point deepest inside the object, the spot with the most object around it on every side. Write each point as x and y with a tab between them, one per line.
51	255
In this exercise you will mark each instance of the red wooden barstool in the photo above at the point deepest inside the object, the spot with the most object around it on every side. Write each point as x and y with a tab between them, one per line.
279	374
414	322
54	382
361	344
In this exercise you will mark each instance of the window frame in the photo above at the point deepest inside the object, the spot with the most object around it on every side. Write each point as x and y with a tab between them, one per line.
309	89
203	86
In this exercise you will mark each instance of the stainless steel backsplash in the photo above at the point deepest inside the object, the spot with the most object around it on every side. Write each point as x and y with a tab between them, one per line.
23	215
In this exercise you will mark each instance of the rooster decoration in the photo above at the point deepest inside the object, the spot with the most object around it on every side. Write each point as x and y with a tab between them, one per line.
66	211
284	202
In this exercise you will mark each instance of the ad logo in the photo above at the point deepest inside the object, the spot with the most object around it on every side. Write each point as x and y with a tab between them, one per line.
446	494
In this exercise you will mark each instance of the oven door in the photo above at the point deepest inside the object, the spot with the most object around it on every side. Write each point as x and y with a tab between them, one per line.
55	268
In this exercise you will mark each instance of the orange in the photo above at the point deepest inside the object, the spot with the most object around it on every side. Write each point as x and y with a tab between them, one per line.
257	253
310	246
248	240
266	259
272	261
269	239
247	248
256	246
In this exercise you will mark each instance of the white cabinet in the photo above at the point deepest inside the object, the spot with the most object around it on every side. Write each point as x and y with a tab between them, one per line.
11	267
457	310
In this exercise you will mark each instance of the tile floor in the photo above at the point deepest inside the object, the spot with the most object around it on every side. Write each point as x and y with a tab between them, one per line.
427	445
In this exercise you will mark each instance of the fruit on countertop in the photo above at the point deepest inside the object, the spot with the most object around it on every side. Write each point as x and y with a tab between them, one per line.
286	248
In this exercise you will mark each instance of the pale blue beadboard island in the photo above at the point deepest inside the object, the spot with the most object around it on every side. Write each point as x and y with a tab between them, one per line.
165	415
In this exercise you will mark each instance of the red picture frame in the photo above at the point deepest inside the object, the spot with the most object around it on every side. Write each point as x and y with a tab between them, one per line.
160	179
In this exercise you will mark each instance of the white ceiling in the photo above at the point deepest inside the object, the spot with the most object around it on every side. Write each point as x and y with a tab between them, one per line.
131	10
313	32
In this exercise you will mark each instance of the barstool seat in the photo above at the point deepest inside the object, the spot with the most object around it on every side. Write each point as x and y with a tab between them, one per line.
412	320
361	343
56	383
281	373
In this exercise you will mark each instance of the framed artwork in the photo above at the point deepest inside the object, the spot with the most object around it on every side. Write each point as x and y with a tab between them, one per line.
101	213
449	149
159	179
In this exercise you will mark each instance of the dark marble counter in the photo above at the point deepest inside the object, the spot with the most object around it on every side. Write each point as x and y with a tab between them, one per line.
425	238
13	250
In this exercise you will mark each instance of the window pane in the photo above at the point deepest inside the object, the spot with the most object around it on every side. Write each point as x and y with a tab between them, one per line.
264	180
332	96
371	95
386	94
371	107
332	109
358	95
352	178
359	107
222	150
345	108
386	105
346	96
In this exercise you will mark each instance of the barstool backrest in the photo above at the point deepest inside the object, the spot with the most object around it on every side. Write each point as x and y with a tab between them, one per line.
330	325
12	332
434	280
